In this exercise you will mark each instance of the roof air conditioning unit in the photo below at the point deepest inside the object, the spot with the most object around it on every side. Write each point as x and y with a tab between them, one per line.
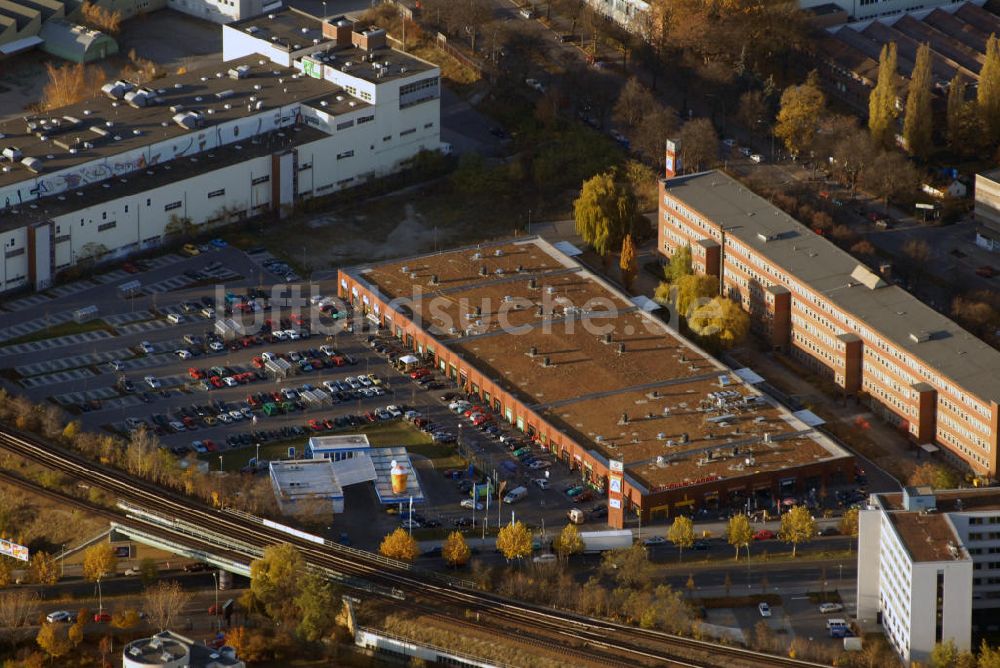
546	361
621	348
483	271
532	351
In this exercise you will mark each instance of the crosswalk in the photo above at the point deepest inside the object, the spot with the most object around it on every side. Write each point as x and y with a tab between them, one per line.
71	362
140	327
26	302
61	291
57	342
168	284
125	318
57	377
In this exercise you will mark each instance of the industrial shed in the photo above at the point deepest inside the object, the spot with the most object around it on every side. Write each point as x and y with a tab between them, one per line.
76	43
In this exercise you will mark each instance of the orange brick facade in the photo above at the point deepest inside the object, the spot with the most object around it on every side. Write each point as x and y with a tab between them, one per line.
648	505
917	399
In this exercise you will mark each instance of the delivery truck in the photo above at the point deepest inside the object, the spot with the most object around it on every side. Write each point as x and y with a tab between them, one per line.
602	541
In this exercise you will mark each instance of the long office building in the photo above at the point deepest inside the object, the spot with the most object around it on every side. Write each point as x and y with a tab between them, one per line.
300	108
928	569
645	418
916	368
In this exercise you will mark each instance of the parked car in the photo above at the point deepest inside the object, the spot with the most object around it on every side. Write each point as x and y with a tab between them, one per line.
763	534
764	609
654	540
102	616
59	616
541	483
547	558
830	607
470	504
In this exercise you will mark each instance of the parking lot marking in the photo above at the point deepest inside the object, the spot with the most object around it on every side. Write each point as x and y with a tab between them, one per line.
57	377
26	302
125	318
139	327
58	342
72	288
168	284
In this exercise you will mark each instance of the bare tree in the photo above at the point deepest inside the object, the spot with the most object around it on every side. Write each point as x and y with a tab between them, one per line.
634	102
649	137
163	602
18	608
699	144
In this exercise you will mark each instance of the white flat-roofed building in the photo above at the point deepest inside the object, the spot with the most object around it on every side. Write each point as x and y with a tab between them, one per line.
119	172
172	650
336	447
929	565
302	480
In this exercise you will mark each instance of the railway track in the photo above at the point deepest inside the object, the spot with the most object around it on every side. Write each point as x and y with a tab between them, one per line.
630	643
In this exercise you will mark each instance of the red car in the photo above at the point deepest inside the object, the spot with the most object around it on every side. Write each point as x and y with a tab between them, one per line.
252	400
215	381
210	445
338	360
315	425
130	268
196	374
419	373
328	423
763	534
102	617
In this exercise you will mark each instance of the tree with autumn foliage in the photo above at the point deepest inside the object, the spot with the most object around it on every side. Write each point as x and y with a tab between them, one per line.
69	84
798	118
882	110
43	569
514	541
97	17
918	124
628	263
399	545
455	551
604	212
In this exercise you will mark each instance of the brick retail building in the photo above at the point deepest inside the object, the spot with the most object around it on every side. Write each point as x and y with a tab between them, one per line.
590	376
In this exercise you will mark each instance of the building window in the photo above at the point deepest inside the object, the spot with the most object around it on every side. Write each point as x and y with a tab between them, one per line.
260	179
126	208
387	138
345	154
428	125
104	215
407	132
107	226
148	201
172	206
217	193
345	125
366	119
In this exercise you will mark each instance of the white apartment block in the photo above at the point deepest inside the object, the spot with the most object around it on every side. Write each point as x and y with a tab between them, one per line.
928	562
224	11
277	124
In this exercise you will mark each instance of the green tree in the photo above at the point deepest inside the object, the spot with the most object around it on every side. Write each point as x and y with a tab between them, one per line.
274	581
988	94
918	125
43	569
692	290
798	117
849	524
569	541
882	110
797	526
935	475
316	599
679	265
965	124
739	533
514	541
628	263
604	212
681	534
721	320
400	545
148	571
455	550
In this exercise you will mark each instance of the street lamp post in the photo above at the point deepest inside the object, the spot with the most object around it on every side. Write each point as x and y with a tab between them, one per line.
62	564
257	458
215	577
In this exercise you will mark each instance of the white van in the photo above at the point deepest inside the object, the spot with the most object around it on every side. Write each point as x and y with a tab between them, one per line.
835	622
515	495
174	318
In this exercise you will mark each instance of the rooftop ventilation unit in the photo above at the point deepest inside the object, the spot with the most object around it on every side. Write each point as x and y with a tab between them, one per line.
767	236
12	153
532	284
920	336
34	165
621	348
532	351
483	271
189	120
224	94
546	361
117	89
241	72
253	30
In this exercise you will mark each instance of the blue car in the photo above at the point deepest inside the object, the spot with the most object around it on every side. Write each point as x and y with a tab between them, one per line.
218	243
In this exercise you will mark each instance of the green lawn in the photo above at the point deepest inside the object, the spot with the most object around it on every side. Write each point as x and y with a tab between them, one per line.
394	432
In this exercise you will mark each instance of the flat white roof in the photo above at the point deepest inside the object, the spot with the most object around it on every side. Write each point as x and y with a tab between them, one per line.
305	478
342	442
382	460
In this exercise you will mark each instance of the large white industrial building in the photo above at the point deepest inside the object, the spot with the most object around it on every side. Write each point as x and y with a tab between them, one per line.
302	107
928	564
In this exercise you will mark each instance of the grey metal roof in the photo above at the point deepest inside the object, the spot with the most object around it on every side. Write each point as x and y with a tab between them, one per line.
63	36
817	263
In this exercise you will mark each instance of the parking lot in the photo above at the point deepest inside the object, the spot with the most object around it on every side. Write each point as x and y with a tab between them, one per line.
160	359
